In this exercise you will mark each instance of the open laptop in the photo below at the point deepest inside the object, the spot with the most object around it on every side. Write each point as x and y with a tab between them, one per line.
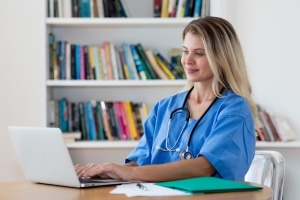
45	158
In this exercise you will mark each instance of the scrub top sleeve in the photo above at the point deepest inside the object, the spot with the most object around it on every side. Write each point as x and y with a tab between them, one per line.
230	148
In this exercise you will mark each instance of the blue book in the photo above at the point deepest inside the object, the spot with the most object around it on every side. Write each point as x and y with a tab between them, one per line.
90	121
141	70
129	61
85	8
197	10
63	115
77	62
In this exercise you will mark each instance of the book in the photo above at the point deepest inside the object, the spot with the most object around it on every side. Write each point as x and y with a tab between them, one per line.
157	8
83	124
92	62
164	68
99	121
85	8
266	126
100	8
167	64
161	74
97	63
87	65
131	121
120	116
114	63
71	136
141	51
63	114
119	64
104	66
108	60
67	8
282	126
52	55
138	64
123	63
172	8
90	121
105	117
129	62
113	121
197	8
164	9
271	126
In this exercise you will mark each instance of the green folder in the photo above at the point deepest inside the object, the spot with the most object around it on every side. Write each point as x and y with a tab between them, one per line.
208	185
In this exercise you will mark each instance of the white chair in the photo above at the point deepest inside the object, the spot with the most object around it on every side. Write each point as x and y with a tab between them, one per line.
268	168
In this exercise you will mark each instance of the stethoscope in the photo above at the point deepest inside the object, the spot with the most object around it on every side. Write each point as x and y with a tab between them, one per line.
186	153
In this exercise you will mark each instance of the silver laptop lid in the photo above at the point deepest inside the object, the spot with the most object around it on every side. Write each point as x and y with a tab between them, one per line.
43	155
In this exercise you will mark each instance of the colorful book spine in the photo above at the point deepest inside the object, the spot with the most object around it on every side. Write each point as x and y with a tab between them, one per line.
138	63
149	68
108	58
90	120
129	61
82	64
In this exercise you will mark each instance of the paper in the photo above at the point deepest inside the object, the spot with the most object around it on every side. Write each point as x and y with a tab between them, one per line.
131	190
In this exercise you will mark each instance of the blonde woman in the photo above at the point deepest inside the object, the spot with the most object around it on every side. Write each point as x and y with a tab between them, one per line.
207	130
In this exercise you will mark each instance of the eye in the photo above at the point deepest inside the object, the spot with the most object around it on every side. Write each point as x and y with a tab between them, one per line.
184	52
200	53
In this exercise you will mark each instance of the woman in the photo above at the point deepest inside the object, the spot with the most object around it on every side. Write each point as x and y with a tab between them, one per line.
208	130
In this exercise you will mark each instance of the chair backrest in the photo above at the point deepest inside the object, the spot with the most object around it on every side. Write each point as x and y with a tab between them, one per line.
268	168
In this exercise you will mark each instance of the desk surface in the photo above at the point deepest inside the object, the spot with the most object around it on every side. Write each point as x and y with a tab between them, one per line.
29	191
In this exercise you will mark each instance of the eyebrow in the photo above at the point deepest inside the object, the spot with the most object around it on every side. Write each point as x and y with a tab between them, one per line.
195	49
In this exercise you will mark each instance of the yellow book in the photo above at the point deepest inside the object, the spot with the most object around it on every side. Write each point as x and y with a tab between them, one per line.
131	120
164	8
92	62
155	66
164	68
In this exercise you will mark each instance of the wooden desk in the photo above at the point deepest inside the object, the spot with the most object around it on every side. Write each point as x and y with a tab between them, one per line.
31	191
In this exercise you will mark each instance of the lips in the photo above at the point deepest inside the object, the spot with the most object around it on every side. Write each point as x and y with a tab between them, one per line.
191	70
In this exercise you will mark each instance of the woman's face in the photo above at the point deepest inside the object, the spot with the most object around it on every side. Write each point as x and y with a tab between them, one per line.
194	60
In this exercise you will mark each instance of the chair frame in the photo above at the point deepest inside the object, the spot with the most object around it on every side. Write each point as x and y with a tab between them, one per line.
272	171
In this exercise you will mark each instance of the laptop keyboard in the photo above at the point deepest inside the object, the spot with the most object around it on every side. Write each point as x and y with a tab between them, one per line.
97	180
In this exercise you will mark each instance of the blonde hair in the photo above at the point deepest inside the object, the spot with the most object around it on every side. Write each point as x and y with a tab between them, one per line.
225	57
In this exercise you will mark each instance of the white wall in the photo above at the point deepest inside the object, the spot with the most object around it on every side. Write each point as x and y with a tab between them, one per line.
21	75
269	33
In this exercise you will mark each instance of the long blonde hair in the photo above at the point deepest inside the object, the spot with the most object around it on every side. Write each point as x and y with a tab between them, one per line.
225	57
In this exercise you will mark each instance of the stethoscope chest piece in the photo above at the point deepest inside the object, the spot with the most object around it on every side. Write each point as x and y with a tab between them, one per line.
186	155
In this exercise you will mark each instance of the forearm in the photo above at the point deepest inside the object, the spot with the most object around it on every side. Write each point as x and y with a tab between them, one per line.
172	171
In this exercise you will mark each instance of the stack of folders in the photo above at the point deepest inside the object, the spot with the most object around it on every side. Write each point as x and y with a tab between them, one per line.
209	185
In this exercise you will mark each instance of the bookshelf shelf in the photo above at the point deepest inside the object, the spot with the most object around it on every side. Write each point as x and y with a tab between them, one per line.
113	83
290	144
116	22
103	144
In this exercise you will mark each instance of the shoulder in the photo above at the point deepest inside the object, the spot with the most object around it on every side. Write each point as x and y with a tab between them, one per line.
233	104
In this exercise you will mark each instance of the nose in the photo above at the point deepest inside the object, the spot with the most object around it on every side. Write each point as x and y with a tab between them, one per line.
186	59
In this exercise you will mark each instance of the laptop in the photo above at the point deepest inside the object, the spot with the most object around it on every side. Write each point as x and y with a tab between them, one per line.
44	158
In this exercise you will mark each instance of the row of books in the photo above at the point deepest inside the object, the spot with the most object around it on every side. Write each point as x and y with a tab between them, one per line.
86	8
275	127
124	8
110	62
99	120
180	8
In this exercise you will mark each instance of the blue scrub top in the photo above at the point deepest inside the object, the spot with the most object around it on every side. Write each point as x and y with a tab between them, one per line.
225	136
